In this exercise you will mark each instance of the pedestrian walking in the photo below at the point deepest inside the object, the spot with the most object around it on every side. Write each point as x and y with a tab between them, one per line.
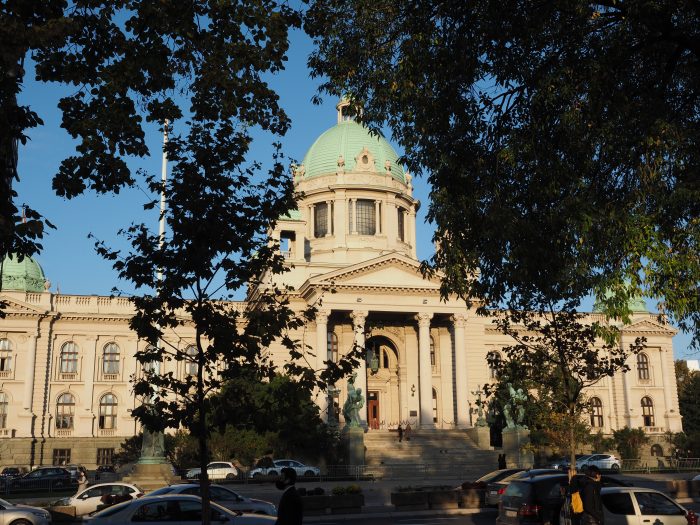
589	486
82	481
290	511
400	430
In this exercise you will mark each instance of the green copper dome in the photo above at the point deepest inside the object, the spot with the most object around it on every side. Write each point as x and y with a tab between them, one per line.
348	139
635	304
26	276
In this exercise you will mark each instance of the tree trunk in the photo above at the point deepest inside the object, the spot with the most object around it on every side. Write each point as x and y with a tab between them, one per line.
203	449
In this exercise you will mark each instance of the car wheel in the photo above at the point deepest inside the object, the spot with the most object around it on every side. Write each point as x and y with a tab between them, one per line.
21	522
230	476
615	467
309	473
257	475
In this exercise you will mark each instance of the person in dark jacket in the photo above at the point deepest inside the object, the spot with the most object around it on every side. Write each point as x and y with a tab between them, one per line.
589	486
290	511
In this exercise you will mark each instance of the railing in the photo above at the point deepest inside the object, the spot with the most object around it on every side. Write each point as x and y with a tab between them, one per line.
13	486
660	464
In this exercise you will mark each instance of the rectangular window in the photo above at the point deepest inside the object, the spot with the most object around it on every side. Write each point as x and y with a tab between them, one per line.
61	456
366	219
321	220
105	456
400	222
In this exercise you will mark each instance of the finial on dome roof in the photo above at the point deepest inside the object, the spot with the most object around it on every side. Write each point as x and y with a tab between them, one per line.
341	107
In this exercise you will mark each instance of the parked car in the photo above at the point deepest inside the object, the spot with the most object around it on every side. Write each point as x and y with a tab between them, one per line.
105	469
173	510
224	496
539	499
43	478
602	461
279	464
89	499
632	505
563	463
75	470
23	514
13	472
495	489
216	470
491	477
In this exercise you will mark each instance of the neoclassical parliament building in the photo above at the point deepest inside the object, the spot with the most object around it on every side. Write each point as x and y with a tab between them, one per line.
66	360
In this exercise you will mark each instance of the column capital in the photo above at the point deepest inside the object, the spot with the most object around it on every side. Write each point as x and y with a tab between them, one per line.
322	316
459	320
358	319
423	319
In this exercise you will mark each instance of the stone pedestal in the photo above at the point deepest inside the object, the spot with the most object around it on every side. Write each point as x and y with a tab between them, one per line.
150	476
354	445
514	440
481	436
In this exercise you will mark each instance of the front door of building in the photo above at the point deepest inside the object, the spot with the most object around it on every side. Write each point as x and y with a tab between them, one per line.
373	409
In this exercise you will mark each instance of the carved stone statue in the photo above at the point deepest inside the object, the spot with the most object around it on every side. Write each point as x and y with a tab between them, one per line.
480	420
353	403
514	409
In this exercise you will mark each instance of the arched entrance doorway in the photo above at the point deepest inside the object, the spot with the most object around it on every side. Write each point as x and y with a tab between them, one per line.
383	400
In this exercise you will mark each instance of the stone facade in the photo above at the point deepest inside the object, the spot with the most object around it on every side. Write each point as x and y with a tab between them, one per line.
66	360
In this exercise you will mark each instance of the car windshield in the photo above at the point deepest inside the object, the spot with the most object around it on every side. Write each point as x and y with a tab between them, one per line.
497	475
6	504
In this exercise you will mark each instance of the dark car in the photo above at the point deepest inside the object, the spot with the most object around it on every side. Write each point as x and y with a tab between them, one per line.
495	489
13	472
105	469
538	500
43	478
491	477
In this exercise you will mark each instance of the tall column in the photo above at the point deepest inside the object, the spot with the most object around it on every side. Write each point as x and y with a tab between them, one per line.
628	396
29	374
358	325
341	221
667	382
412	231
321	357
329	218
425	371
459	320
353	203
88	372
312	221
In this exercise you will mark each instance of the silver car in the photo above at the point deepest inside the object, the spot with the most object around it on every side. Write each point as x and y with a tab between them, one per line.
11	513
88	500
224	496
174	510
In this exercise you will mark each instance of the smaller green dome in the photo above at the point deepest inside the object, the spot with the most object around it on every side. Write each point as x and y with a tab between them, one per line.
351	141
636	304
25	275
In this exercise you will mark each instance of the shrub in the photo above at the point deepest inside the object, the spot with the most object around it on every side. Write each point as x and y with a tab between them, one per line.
350	489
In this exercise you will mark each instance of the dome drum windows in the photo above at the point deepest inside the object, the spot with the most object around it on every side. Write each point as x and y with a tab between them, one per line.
323	219
401	223
362	217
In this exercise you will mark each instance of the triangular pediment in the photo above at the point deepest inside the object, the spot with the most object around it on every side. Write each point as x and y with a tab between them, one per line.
13	306
392	271
648	326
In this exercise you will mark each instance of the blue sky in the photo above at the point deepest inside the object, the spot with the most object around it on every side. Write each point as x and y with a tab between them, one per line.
69	259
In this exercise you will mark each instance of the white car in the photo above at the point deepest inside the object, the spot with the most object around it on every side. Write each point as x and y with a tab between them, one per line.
173	510
224	496
87	501
216	470
636	506
23	514
279	464
602	461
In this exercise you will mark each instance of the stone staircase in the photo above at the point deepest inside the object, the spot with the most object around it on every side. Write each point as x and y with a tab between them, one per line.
445	454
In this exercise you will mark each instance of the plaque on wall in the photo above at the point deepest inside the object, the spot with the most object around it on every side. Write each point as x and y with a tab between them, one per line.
413	413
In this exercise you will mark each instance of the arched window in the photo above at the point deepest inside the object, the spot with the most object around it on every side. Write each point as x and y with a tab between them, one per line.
656	450
321	222
642	366
110	359
435	406
332	347
366	221
648	411
596	408
69	358
3	410
5	355
385	361
65	410
432	351
191	366
493	358
108	412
